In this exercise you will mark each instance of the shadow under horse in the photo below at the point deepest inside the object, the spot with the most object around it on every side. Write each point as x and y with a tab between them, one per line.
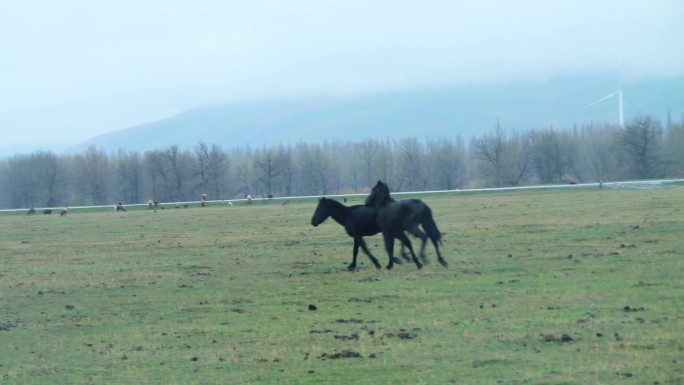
394	217
358	221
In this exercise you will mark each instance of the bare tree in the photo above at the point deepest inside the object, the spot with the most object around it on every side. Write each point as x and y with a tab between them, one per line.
368	151
170	171
518	159
211	167
157	176
355	167
502	159
412	174
314	165
447	165
674	147
489	149
20	183
598	145
269	168
93	175
288	167
386	165
641	143
129	171
37	179
243	170
332	167
553	155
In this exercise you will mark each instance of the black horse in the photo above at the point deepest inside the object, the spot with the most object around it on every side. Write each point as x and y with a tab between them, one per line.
396	216
359	221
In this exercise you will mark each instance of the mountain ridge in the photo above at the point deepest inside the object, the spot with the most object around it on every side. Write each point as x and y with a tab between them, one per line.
449	112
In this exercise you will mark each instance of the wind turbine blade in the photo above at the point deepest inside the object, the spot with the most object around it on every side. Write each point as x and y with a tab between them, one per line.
600	100
622	71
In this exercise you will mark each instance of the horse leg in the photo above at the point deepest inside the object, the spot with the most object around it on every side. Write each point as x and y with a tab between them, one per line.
368	253
403	253
441	260
432	231
355	253
423	237
404	239
389	247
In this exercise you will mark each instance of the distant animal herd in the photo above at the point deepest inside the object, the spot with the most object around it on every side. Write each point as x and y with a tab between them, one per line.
152	204
63	212
380	213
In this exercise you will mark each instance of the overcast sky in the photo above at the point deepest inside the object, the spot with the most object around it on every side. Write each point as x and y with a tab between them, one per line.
70	70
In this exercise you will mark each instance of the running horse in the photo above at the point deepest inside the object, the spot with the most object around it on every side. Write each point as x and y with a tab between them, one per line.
394	217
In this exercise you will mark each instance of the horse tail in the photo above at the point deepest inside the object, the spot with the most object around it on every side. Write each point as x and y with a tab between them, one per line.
430	226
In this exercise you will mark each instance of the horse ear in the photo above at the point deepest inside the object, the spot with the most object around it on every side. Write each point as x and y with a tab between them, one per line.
379	183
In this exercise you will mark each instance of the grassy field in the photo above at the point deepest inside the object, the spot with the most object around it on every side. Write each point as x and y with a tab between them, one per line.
580	286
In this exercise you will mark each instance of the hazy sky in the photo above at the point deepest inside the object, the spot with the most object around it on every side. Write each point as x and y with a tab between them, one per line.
70	70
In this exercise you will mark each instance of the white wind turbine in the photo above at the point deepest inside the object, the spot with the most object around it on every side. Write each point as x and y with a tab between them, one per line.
618	92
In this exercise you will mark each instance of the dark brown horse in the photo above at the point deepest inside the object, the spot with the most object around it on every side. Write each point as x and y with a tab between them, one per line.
394	217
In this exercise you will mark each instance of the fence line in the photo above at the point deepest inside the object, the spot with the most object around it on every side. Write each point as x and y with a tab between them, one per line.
644	184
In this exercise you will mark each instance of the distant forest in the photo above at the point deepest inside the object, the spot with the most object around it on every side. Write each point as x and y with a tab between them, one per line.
644	149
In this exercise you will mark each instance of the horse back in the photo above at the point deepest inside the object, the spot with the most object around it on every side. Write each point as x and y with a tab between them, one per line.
362	221
403	214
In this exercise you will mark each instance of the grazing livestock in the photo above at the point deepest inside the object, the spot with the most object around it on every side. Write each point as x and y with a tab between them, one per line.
203	200
47	211
249	198
119	207
358	221
396	216
64	212
31	211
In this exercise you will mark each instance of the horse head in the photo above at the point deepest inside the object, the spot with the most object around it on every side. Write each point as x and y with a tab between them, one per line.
379	195
321	213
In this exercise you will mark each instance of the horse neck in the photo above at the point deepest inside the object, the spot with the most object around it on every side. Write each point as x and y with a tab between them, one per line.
338	211
381	200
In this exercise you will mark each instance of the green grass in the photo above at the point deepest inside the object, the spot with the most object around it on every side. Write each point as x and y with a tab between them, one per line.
544	287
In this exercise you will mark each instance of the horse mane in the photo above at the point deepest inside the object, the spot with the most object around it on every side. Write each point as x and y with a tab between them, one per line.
333	204
379	195
324	199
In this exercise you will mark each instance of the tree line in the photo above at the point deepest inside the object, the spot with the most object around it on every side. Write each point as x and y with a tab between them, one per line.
643	149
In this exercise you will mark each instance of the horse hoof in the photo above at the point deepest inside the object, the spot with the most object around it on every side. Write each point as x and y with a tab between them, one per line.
443	263
419	266
351	267
389	267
